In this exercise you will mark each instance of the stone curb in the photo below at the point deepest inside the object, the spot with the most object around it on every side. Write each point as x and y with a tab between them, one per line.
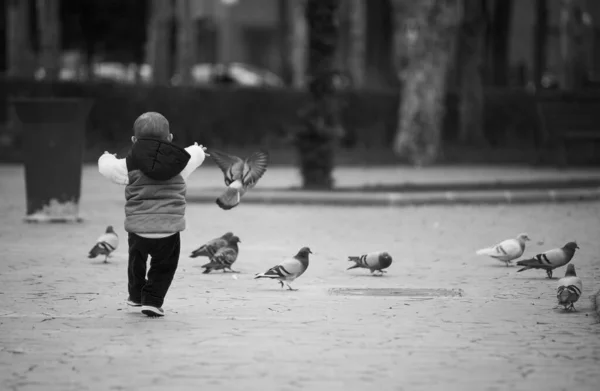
398	199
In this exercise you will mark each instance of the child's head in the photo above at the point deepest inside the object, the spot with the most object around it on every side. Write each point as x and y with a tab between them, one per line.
151	125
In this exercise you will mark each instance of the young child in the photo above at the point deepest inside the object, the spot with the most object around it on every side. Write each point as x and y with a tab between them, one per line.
154	174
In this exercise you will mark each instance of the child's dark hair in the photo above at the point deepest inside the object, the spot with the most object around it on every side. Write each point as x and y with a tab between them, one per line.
151	125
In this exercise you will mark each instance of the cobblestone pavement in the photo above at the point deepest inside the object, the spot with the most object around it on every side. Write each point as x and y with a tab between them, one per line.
64	324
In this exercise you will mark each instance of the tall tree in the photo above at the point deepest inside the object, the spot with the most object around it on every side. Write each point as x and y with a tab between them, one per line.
185	41
18	40
49	36
425	37
541	39
471	53
500	38
158	47
298	42
357	34
571	29
317	139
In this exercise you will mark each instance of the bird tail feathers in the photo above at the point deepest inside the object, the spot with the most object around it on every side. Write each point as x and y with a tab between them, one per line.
201	252
95	251
356	264
528	262
524	268
486	251
563	295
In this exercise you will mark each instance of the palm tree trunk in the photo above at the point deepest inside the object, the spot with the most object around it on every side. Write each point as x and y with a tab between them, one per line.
297	41
316	141
425	36
17	39
49	23
158	48
357	37
471	52
185	42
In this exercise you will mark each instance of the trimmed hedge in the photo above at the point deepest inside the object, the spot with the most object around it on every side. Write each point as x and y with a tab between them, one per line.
238	117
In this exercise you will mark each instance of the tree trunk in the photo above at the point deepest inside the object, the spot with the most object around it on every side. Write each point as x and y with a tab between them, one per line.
298	42
283	30
540	45
425	32
316	141
158	47
185	42
471	52
49	29
17	39
500	41
571	41
357	36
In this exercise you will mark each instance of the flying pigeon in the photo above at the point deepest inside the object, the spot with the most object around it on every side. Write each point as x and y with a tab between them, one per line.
507	250
224	257
569	289
289	269
210	248
240	175
105	244
375	261
550	259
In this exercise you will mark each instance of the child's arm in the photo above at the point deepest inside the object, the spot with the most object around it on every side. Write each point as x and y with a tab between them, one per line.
114	169
197	158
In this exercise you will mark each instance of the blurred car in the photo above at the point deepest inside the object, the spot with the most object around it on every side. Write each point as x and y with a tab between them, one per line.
235	73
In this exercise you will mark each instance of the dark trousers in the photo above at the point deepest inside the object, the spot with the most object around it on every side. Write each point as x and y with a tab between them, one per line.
164	253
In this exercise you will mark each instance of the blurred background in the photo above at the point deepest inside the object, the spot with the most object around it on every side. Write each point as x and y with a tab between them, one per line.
461	79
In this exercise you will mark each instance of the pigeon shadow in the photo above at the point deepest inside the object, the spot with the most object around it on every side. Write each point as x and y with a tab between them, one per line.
103	263
367	275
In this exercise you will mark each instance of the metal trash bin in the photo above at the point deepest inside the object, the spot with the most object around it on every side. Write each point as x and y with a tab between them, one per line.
53	133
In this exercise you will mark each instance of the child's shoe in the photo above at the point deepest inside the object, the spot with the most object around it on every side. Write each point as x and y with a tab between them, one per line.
133	303
152	311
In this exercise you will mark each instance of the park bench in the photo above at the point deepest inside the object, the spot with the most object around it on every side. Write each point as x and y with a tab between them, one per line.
566	121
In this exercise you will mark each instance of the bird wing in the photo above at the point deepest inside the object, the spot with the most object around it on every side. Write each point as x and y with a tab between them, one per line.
109	239
255	167
225	256
508	249
288	269
231	166
209	248
556	257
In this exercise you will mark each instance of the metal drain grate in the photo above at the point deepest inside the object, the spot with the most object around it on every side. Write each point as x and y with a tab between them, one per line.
405	292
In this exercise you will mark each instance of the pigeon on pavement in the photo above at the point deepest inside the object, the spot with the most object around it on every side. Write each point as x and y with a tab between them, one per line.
550	259
569	289
375	261
105	245
289	269
210	248
507	250
240	175
224	257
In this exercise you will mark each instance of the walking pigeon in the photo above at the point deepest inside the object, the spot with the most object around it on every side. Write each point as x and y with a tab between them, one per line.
550	259
240	175
507	250
569	289
210	248
375	261
289	269
224	257
105	244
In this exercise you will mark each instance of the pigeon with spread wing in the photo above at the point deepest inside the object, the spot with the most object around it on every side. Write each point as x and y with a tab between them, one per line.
240	175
